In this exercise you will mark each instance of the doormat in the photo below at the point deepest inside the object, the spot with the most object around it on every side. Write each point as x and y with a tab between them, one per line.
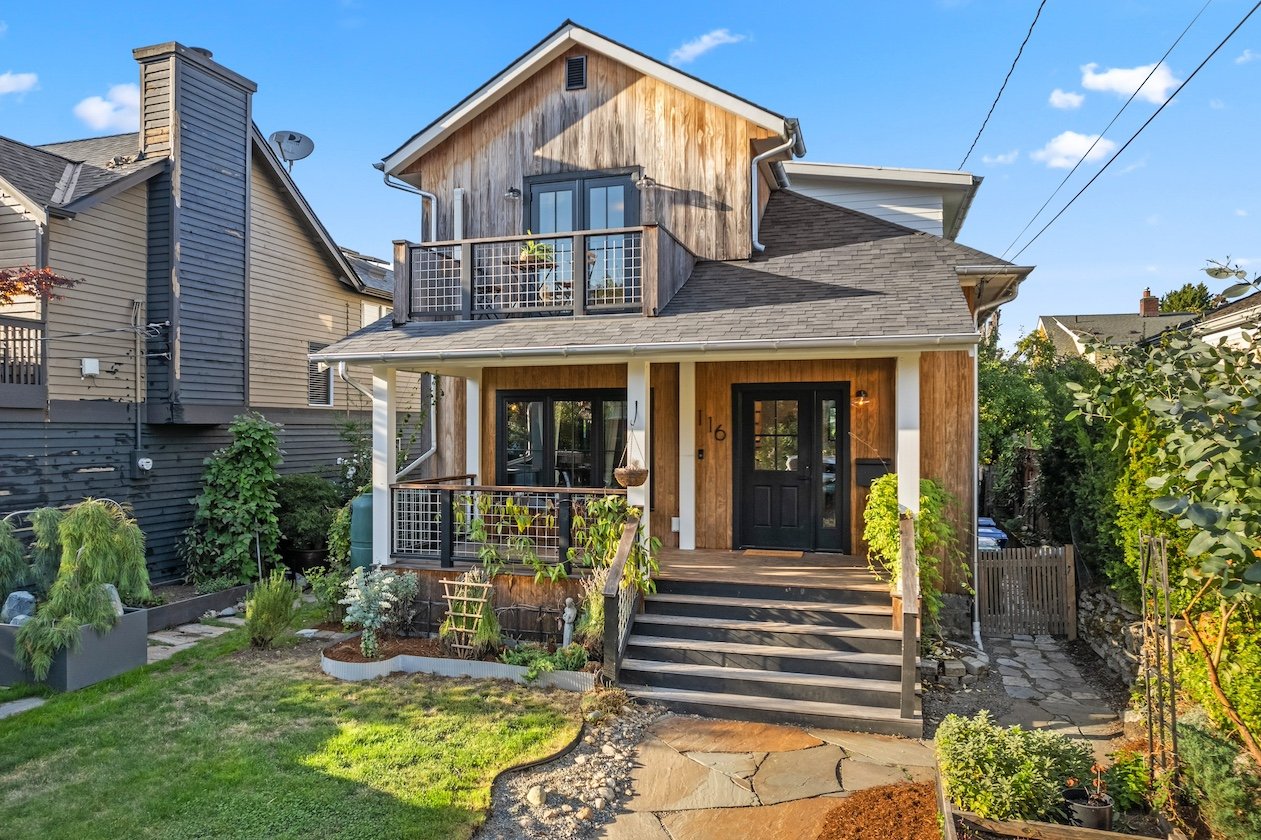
771	552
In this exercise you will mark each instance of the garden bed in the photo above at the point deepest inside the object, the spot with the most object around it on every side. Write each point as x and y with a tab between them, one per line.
344	661
98	657
190	607
888	812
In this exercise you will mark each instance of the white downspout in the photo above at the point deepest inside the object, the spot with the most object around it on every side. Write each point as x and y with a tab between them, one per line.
758	247
408	188
433	434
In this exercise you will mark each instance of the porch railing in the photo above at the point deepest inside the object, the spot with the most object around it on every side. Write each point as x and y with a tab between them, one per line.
433	519
621	602
21	352
519	276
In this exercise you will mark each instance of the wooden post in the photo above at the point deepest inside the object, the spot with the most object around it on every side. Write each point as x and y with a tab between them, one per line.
1070	593
910	613
579	259
466	281
649	273
564	530
402	281
446	508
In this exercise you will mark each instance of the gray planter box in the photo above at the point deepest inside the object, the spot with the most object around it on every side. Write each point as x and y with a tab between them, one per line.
98	657
189	611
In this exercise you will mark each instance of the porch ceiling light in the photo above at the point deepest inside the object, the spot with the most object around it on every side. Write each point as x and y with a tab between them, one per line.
513	194
861	399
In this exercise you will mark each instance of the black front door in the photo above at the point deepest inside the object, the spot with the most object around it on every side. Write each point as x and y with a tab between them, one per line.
791	470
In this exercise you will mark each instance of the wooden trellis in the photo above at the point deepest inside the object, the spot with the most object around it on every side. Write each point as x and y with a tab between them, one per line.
466	603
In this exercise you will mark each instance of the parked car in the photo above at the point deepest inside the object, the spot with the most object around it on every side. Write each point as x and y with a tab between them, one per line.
987	528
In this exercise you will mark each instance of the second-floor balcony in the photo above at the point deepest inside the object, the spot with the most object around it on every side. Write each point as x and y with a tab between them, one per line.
619	270
23	377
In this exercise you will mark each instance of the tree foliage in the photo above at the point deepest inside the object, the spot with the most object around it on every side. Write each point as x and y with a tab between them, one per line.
1190	297
39	283
1014	419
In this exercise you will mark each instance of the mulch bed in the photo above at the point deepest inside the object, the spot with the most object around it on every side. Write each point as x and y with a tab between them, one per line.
889	812
171	593
348	650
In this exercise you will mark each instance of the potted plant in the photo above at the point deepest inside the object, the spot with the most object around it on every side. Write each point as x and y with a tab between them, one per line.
537	254
306	506
1090	806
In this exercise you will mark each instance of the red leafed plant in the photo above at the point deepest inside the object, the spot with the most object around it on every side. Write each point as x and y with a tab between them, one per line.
41	283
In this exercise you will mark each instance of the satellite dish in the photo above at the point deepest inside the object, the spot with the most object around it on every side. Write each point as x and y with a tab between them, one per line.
292	145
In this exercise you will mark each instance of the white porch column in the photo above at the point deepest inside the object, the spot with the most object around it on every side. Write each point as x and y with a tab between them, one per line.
638	431
384	455
907	410
473	426
687	455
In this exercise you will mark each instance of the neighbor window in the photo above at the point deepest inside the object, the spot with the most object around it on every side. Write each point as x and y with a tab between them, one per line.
319	378
560	438
373	312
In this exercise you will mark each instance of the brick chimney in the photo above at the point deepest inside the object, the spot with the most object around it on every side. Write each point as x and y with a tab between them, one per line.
1148	304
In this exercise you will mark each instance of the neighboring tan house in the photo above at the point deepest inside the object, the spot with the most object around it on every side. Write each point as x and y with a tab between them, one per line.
629	267
206	280
1070	334
1229	321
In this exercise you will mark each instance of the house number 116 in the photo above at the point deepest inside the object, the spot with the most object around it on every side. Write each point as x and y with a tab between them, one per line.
718	431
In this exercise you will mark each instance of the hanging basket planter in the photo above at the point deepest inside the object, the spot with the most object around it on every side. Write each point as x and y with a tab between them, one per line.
631	476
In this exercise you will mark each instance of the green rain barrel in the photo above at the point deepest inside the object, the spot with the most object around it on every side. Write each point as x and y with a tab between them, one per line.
361	532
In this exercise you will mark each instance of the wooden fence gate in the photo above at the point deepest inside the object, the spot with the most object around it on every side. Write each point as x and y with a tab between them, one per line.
1027	590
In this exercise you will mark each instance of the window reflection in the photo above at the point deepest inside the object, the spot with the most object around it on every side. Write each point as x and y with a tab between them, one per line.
775	438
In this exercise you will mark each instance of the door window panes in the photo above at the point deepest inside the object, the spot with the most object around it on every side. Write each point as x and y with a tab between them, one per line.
567	439
523	448
775	436
572	440
614	440
828	461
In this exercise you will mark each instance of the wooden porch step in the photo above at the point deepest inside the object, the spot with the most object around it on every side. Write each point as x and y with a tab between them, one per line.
813	637
887	721
757	675
772	604
875	616
764	657
786	685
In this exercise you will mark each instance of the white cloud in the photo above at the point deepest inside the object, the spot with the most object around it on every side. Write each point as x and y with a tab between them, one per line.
1248	56
697	47
1217	104
1064	150
1001	160
1124	81
1241	212
4	27
1066	99
1138	164
119	109
17	82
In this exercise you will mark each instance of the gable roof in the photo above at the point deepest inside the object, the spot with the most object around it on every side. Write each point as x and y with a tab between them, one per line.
1067	331
66	178
374	272
567	35
830	277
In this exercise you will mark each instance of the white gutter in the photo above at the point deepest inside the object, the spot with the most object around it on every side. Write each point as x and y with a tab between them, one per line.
408	188
660	348
433	433
792	142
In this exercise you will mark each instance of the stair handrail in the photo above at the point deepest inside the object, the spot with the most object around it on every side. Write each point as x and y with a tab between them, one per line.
620	601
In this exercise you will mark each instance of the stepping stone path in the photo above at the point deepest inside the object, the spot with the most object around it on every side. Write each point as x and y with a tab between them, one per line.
166	643
1049	692
14	707
701	778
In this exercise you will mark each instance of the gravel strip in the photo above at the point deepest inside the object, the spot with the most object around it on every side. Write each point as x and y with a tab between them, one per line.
576	795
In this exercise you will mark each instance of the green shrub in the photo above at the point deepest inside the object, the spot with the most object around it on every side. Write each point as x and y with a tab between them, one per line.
235	523
338	537
1007	773
45	551
537	660
1240	670
934	538
1126	781
1222	782
329	588
13	566
270	609
589	628
305	505
597	533
380	604
100	544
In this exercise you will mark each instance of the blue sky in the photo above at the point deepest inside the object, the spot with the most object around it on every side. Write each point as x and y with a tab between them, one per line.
890	84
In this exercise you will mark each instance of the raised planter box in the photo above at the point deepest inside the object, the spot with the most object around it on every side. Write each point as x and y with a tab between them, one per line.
99	655
441	667
190	610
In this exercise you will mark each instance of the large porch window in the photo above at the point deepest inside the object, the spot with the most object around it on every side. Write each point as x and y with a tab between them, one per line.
572	438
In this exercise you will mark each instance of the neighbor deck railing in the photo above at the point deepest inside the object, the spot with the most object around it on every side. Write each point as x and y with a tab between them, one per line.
23	377
431	519
621	602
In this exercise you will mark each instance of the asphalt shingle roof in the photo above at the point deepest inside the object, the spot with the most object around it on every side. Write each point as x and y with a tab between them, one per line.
827	273
36	171
1119	329
373	272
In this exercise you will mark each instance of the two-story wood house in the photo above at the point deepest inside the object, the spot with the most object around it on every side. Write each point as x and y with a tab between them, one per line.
627	265
206	280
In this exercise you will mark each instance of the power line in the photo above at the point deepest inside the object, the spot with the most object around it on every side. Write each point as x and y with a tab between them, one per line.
1003	87
1135	135
1100	135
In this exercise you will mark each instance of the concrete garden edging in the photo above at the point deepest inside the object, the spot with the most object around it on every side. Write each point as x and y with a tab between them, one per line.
405	663
99	656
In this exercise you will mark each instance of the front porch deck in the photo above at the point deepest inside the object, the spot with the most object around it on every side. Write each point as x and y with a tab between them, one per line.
783	568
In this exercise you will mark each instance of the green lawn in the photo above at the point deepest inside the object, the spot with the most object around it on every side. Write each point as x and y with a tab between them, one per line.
221	742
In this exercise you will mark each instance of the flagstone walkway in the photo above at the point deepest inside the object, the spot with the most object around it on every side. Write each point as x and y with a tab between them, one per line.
699	778
1048	691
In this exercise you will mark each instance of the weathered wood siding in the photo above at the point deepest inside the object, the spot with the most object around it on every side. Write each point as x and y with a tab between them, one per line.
871	426
698	154
157	106
948	443
664	469
919	208
106	249
212	166
62	462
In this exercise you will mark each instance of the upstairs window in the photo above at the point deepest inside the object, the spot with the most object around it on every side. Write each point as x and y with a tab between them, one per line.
319	378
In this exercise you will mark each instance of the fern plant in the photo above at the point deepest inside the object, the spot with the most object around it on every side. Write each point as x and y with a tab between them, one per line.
100	544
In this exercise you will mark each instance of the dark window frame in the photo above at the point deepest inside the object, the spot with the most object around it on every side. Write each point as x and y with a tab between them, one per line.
627	175
549	396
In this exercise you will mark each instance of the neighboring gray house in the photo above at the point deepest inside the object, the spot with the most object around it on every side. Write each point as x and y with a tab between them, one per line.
1071	333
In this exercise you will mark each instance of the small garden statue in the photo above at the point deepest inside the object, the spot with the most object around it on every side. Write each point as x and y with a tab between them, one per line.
569	616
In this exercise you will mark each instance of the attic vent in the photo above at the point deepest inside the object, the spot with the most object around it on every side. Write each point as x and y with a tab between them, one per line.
319	378
576	72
